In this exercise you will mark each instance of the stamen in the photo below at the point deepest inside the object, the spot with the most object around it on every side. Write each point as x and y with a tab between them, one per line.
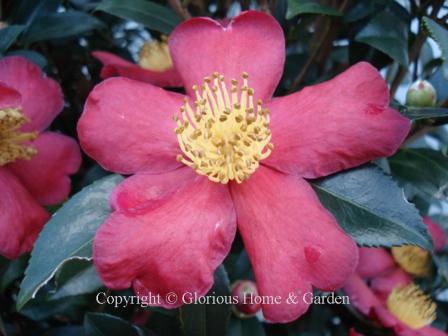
228	135
412	259
411	306
12	140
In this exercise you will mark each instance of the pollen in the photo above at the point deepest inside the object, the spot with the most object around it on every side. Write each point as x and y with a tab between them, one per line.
13	142
155	56
224	134
412	259
411	306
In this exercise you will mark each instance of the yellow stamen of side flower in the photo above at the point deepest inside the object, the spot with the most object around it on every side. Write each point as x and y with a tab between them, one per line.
412	259
225	134
155	56
411	306
12	141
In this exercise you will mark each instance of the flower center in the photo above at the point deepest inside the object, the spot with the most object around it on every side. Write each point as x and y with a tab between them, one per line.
411	306
12	141
412	259
155	56
224	137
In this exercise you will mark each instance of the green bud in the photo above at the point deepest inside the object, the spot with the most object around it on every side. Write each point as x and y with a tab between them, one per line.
421	94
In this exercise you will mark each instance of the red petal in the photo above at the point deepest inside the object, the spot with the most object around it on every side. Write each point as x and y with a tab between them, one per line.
336	125
127	126
46	174
173	244
292	240
361	296
116	66
9	97
42	98
374	262
252	42
437	234
383	285
21	217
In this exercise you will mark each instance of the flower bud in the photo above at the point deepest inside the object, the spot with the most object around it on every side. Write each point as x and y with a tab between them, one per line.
421	94
246	294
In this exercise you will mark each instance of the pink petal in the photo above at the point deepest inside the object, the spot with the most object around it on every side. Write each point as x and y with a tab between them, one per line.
171	243
116	66
252	42
383	285
21	217
430	331
336	125
46	175
374	261
127	126
42	98
437	234
292	240
361	296
9	97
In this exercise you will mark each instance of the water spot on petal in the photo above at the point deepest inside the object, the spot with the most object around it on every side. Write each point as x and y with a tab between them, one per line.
312	255
374	109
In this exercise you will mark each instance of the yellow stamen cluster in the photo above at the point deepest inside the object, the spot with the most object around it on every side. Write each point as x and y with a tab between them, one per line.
412	259
411	306
12	140
155	56
225	135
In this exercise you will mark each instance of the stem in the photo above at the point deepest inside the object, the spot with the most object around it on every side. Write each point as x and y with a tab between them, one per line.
264	6
415	49
180	10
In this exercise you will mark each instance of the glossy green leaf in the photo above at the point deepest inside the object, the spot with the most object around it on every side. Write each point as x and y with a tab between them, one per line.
149	14
208	319
96	324
59	25
8	35
67	236
371	208
440	35
424	168
77	277
388	34
296	7
14	270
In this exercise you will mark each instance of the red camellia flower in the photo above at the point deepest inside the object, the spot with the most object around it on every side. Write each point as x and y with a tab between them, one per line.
34	163
155	65
237	156
382	288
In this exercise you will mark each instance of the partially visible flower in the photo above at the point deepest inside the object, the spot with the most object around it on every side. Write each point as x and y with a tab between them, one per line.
34	163
237	156
405	308
383	289
415	260
421	94
155	65
246	293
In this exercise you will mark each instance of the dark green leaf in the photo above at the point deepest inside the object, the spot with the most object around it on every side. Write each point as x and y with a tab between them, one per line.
387	34
424	168
68	235
59	25
296	7
96	324
8	35
13	271
28	10
246	327
77	277
208	319
440	35
371	208
149	14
